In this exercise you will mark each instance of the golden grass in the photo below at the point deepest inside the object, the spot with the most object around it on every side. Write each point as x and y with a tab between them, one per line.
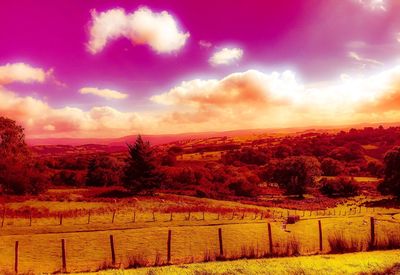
194	240
354	263
147	243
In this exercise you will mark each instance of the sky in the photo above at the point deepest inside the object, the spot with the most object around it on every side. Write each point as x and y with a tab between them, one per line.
115	68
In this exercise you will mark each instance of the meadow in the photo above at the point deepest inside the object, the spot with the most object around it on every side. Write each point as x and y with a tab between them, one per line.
377	263
140	232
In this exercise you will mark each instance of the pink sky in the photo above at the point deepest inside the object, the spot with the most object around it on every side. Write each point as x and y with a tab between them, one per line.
112	68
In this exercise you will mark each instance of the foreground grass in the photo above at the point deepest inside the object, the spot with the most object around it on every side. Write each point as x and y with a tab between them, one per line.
381	262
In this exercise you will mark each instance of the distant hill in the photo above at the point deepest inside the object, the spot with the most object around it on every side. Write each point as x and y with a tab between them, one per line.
167	138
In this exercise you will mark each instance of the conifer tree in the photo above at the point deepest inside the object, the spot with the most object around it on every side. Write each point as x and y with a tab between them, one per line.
141	174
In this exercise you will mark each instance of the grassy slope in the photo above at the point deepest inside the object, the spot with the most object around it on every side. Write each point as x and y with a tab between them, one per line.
353	263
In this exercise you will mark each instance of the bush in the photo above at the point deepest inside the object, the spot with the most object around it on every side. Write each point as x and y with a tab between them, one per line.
391	182
339	187
295	174
243	187
331	167
339	244
103	171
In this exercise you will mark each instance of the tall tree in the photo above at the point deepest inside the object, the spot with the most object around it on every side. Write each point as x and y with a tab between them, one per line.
391	181
296	173
103	171
141	173
20	173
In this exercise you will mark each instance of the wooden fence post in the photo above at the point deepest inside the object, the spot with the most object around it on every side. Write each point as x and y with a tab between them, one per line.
16	258
320	235
188	217
203	216
4	217
88	219
112	250
63	256
113	217
221	248
169	247
372	243
170	216
154	217
270	239
30	218
134	216
61	219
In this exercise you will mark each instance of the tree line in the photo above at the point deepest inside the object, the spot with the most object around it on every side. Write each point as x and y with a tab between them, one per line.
145	169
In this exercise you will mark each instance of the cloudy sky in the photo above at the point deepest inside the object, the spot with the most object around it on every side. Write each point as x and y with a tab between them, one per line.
113	68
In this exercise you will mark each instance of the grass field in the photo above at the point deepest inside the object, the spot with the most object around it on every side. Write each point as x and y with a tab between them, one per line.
379	262
194	240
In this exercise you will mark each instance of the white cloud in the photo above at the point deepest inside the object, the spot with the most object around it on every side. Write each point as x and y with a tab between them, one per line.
375	5
40	119
158	30
243	100
49	127
248	88
226	56
205	44
21	72
106	93
253	99
364	62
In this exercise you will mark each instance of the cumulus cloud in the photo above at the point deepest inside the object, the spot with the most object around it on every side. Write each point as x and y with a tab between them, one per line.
242	100
248	88
21	72
226	56
254	99
41	119
158	30
106	93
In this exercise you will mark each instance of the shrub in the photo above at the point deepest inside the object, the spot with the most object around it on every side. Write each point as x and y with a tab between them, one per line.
331	167
292	219
339	244
391	182
243	187
339	187
296	173
103	171
137	261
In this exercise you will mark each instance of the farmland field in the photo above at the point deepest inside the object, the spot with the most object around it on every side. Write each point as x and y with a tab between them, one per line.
193	239
377	262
